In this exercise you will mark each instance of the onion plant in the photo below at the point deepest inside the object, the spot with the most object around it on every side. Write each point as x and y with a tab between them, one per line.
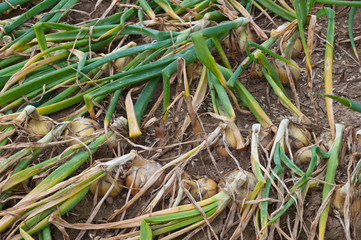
11	3
184	217
330	177
355	106
328	66
52	65
350	30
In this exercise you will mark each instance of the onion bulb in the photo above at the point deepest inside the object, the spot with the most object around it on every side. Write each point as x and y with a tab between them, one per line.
202	188
114	140
265	137
303	155
81	128
327	140
120	63
137	176
39	125
339	198
221	150
231	136
244	34
103	186
298	136
280	68
194	70
121	123
243	192
297	48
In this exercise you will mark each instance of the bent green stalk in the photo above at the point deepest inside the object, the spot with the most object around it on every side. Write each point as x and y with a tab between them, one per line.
145	97
302	182
302	11
266	191
277	9
247	98
247	61
355	106
22	175
278	169
350	30
330	178
57	176
189	214
284	98
30	34
59	210
6	163
29	14
43	206
341	3
9	3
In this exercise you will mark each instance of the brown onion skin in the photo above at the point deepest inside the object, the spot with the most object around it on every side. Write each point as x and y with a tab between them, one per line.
280	68
303	155
205	187
103	186
141	174
298	137
297	48
339	198
81	127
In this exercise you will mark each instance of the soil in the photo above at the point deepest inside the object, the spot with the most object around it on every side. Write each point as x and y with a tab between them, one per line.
346	79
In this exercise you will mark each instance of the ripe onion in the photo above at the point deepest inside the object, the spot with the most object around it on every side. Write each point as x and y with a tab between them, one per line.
39	125
221	150
303	155
297	48
103	186
202	188
140	173
81	128
120	63
6	39
298	136
339	198
244	34
114	140
280	68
